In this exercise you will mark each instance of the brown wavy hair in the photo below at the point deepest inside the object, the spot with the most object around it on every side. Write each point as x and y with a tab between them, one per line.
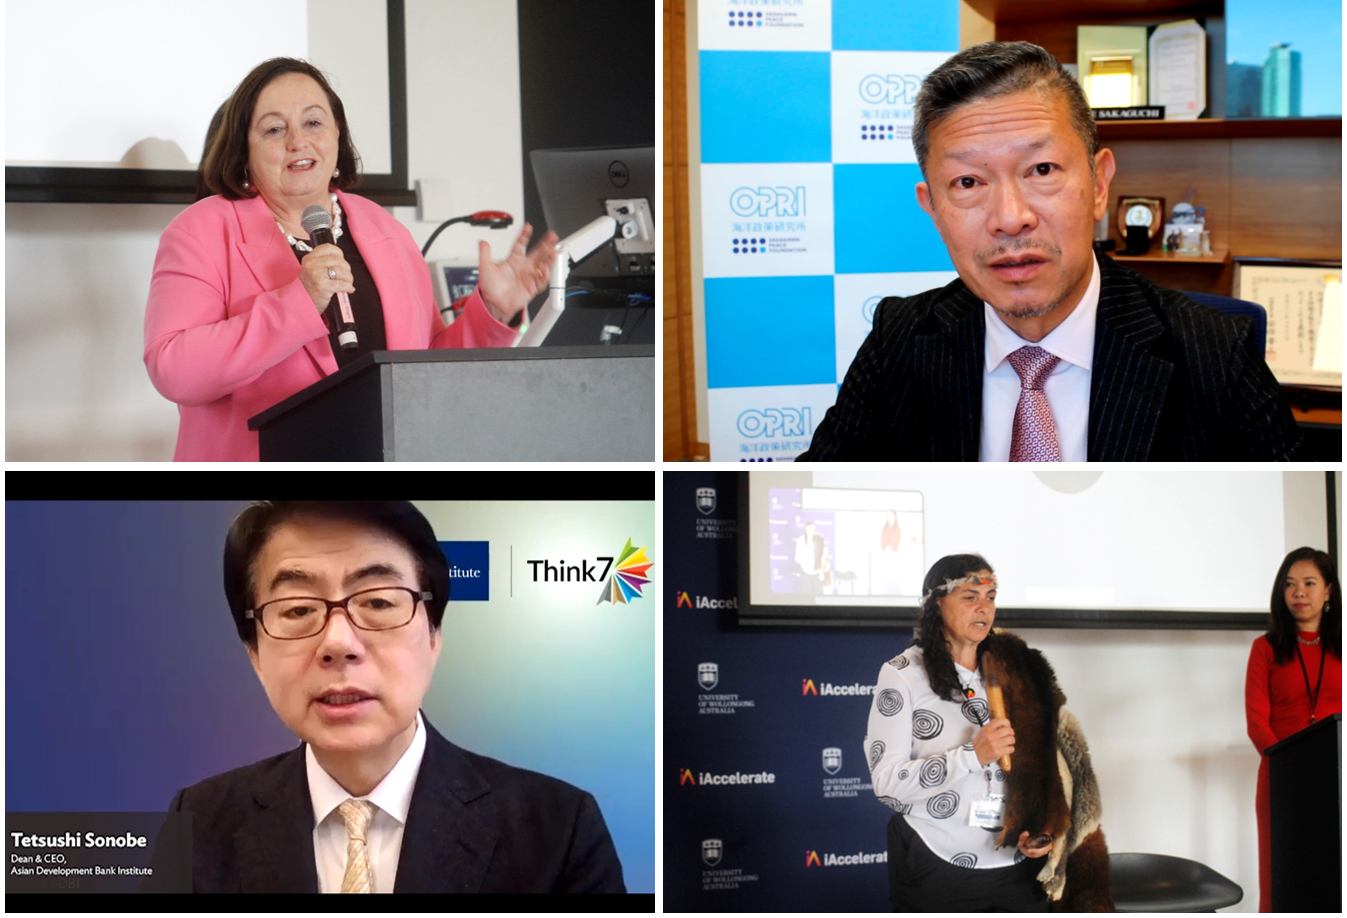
1281	626
223	168
930	633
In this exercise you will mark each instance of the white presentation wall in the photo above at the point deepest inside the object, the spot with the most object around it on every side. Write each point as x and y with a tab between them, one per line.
1113	541
134	83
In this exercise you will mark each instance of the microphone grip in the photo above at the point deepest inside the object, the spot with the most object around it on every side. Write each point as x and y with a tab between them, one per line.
342	320
997	703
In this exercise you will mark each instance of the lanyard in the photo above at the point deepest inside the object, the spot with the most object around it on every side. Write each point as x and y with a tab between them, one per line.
1314	696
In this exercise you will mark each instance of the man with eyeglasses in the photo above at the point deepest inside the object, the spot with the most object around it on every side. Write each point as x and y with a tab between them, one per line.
339	605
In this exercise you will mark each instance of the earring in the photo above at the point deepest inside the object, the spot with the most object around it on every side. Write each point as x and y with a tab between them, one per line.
245	179
336	172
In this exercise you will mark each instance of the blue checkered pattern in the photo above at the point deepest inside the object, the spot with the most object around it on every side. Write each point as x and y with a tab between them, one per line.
808	200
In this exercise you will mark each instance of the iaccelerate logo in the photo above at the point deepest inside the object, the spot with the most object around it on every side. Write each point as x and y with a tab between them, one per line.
828	688
704	778
706	602
813	859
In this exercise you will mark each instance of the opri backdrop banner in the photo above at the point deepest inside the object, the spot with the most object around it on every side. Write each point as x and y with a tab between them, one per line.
808	210
767	798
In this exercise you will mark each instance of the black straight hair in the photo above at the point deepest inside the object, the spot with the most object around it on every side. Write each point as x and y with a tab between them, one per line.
930	634
252	527
1281	625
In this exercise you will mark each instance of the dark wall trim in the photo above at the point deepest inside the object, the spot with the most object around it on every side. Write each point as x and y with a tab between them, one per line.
586	79
1331	489
177	186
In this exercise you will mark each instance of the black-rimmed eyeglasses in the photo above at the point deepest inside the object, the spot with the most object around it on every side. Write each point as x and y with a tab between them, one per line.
296	617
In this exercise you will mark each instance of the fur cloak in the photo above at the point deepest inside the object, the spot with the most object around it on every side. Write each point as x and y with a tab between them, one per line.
1051	785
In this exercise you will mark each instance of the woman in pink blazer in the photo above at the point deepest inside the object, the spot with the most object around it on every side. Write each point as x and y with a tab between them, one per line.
236	316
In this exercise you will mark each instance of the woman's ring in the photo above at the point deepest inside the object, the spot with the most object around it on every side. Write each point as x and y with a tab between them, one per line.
332	273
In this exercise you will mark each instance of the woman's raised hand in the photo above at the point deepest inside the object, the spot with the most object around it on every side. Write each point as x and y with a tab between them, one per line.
508	287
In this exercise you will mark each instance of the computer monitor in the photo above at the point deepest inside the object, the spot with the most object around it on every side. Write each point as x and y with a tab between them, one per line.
577	186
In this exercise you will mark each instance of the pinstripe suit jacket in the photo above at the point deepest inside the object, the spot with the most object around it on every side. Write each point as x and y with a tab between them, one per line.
1172	380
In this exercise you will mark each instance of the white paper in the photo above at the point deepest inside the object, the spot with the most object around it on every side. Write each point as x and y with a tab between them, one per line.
1178	65
1294	300
1328	345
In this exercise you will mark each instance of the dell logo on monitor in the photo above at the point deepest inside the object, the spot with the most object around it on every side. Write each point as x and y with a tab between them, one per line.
618	173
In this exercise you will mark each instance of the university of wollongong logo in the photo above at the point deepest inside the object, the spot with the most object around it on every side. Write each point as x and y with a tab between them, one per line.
712	851
708	675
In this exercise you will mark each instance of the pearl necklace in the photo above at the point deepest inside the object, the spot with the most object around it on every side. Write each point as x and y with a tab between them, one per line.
336	229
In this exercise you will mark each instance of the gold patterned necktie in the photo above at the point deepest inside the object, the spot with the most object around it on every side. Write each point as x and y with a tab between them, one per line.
358	878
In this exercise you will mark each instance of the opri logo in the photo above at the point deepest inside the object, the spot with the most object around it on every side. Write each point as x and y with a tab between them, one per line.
900	89
768	202
868	309
776	422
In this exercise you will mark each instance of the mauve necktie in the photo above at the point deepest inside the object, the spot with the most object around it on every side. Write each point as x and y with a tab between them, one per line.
358	878
1034	438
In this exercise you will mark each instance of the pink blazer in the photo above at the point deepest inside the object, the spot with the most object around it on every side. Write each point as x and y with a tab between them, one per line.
231	331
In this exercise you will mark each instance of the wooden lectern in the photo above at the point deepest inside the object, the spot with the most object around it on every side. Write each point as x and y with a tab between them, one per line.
590	403
1305	784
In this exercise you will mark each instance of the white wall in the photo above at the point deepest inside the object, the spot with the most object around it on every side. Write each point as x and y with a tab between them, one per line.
77	275
1163	712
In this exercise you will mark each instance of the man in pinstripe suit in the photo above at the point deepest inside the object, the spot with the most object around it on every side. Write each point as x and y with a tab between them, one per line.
1015	181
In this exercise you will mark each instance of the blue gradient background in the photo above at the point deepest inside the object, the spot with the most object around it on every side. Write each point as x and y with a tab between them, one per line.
126	679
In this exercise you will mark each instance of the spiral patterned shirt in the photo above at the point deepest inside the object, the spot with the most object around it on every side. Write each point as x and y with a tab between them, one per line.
922	764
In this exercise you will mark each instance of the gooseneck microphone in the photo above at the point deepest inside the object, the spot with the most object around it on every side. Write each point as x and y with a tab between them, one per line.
317	222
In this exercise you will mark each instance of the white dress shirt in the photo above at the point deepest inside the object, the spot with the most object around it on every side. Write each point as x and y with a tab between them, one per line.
383	839
1067	386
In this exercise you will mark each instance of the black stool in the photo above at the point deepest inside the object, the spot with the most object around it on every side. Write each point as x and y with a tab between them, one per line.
1161	883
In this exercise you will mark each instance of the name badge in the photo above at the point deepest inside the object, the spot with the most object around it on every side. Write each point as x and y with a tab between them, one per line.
987	813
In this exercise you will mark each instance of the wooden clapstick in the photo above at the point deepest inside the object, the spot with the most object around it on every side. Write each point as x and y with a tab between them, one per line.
995	701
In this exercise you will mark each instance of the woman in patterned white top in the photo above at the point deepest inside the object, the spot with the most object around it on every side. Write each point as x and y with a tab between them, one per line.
934	751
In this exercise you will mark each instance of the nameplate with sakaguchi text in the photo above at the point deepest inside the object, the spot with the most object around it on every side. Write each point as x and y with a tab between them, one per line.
1130	113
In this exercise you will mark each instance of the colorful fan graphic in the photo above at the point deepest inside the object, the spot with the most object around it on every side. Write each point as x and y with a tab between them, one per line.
628	576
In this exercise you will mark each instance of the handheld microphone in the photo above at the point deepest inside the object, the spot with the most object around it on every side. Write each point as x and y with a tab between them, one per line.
317	222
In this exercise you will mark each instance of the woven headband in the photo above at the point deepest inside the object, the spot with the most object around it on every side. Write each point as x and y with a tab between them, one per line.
952	585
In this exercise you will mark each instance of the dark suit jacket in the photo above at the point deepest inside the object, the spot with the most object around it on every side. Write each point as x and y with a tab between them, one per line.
474	825
1172	380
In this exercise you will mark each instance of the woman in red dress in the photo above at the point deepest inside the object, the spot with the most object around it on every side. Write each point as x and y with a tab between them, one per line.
1295	673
